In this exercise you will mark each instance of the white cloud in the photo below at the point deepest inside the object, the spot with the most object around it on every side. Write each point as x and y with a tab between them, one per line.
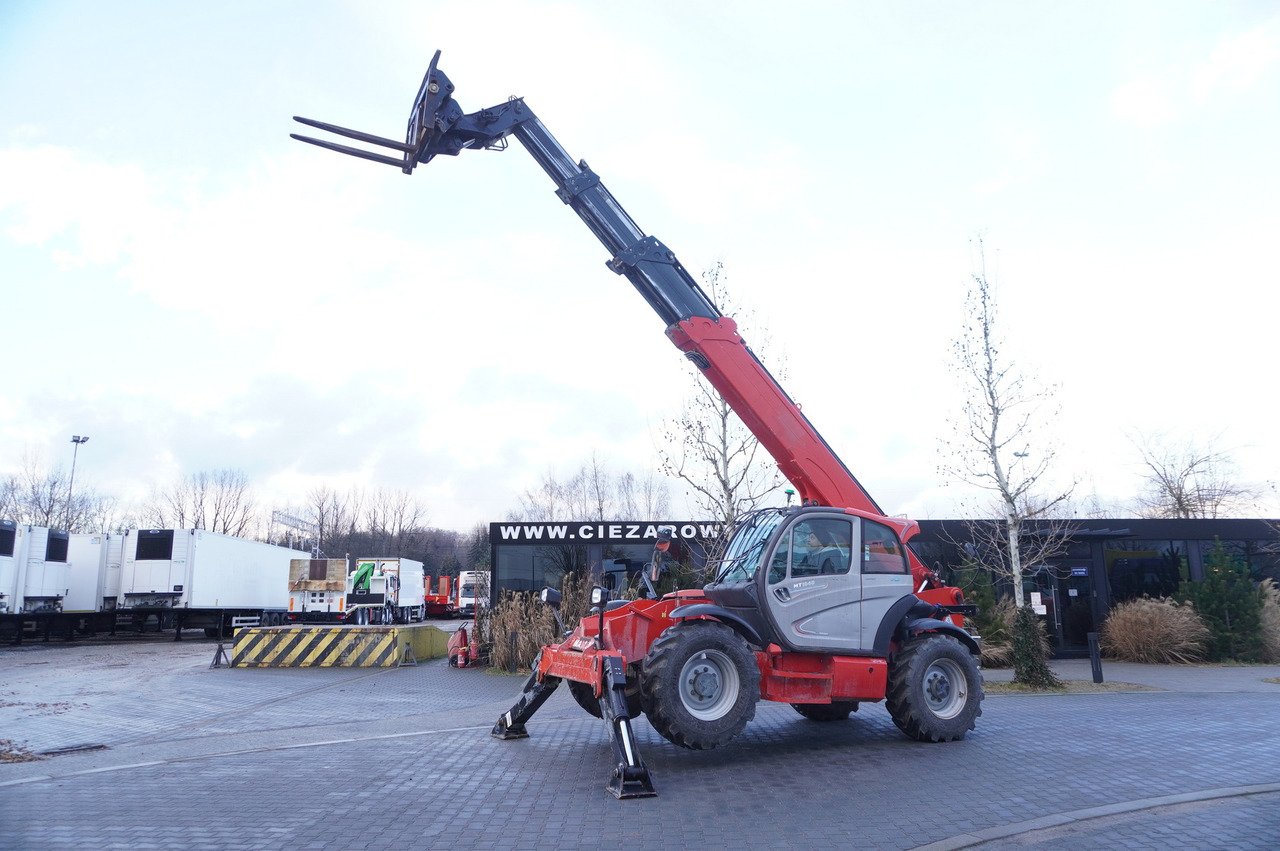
1235	64
1147	100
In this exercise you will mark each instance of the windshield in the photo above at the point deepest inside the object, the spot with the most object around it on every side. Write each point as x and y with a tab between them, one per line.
746	550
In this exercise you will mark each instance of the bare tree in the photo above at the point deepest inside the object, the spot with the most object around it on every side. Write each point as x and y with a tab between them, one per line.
9	497
995	445
1189	479
710	449
330	513
593	493
42	497
646	497
218	501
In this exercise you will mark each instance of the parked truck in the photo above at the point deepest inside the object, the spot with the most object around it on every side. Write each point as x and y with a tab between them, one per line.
385	591
473	591
439	597
189	578
821	605
317	590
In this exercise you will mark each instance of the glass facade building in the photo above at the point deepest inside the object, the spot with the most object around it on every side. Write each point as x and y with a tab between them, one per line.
1105	562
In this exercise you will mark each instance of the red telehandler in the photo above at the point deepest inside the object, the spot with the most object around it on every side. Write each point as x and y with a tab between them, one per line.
821	605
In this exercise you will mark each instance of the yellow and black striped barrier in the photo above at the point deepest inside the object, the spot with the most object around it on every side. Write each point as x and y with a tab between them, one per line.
336	646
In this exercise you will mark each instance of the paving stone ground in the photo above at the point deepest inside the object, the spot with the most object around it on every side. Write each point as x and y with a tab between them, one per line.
189	756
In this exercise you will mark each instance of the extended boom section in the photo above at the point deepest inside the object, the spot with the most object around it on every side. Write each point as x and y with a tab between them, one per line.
438	126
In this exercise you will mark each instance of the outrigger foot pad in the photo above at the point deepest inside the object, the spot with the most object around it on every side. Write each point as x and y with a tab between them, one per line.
631	782
505	730
533	695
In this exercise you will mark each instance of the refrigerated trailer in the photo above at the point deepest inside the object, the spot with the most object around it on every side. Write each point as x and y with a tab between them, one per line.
190	578
95	573
48	584
34	573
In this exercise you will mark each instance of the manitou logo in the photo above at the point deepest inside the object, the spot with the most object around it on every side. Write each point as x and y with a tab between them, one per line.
613	533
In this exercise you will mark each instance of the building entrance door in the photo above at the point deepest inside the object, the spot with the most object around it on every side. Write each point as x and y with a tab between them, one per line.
1063	597
1075	606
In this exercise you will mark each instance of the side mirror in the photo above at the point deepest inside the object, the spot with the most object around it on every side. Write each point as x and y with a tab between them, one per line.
551	597
660	547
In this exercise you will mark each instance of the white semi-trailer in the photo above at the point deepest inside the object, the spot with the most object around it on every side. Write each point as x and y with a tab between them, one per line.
34	572
190	578
95	573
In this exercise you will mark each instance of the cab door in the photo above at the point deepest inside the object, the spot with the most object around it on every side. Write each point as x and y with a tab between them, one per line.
813	589
886	576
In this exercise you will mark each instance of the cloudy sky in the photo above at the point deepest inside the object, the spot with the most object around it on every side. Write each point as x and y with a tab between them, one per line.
196	291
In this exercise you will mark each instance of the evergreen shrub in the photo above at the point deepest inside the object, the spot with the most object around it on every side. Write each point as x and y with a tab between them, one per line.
1230	604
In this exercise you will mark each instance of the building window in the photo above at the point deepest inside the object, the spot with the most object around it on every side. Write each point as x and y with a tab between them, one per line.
1137	568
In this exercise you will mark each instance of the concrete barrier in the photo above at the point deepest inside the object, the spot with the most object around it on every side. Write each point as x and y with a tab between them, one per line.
336	646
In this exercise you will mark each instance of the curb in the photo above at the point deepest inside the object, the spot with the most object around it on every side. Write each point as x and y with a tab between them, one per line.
1004	831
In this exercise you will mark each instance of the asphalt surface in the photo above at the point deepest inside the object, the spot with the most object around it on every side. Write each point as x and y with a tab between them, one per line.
149	747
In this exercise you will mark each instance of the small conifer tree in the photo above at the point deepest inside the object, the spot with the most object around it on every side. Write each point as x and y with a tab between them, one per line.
1230	604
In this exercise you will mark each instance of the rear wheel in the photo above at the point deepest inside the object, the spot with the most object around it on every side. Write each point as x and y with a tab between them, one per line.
837	710
700	684
935	690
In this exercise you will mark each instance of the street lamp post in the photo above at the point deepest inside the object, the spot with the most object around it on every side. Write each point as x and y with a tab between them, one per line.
77	440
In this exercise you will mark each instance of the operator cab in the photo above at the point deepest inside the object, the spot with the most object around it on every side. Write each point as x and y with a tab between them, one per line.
814	579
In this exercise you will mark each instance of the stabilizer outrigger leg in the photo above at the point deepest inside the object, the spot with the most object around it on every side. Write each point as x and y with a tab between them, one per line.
630	775
534	694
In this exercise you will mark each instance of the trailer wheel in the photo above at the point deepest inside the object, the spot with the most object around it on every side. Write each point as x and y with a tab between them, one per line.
699	684
935	690
836	710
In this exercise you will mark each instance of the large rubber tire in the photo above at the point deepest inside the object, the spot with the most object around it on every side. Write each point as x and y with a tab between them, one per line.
585	698
837	710
935	689
699	684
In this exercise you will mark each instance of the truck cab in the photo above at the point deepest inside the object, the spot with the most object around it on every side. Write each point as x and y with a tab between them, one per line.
473	590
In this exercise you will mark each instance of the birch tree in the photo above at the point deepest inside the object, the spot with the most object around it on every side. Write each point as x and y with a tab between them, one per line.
997	444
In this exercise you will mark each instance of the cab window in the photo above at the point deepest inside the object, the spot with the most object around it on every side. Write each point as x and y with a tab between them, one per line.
882	552
818	547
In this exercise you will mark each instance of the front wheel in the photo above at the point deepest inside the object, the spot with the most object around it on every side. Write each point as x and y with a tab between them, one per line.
699	684
935	690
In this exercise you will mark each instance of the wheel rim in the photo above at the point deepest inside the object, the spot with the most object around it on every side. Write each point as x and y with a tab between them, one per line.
709	685
945	688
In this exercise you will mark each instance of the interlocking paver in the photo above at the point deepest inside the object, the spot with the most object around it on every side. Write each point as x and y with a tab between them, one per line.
401	758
